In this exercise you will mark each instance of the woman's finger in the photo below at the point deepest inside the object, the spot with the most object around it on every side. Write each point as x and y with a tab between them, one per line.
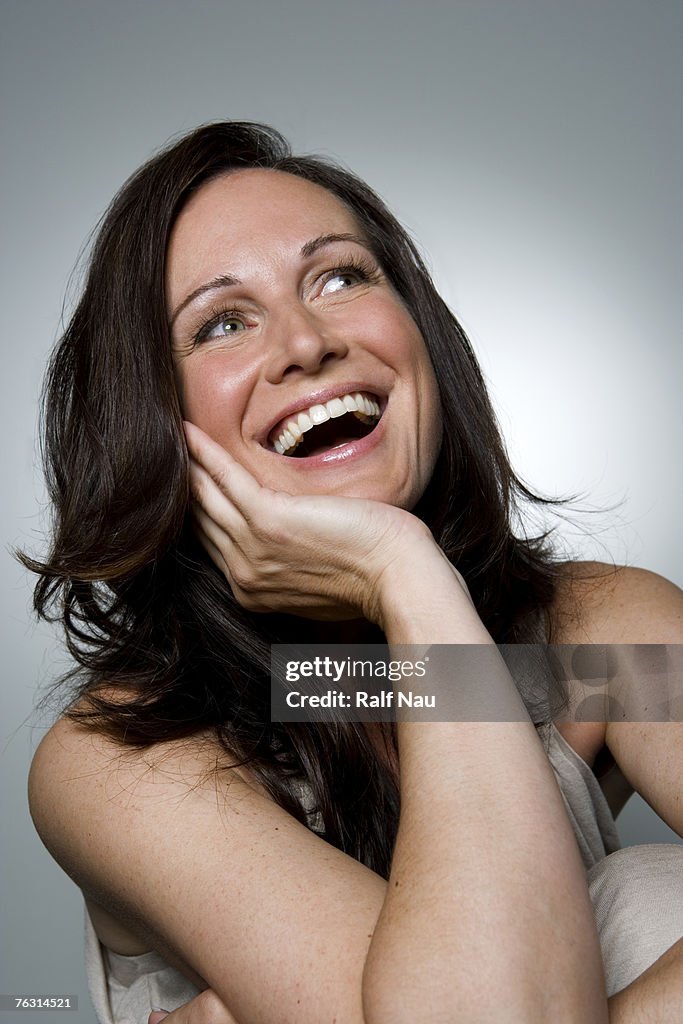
231	478
212	539
213	500
223	553
215	541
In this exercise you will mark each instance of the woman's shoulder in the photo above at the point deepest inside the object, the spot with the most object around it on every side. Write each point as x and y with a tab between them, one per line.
78	769
252	889
601	603
101	807
92	800
74	752
83	783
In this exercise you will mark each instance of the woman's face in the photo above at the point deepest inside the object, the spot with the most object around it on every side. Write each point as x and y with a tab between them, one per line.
291	348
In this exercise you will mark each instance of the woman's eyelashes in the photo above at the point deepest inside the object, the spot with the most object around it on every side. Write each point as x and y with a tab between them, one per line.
355	271
224	323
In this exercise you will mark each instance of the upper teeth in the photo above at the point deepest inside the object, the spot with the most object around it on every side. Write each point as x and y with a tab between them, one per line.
362	406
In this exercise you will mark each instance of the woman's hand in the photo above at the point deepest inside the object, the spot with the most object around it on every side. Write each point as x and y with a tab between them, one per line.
206	1008
317	556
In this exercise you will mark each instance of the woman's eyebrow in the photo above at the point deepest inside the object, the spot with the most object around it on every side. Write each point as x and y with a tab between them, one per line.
223	281
227	280
309	248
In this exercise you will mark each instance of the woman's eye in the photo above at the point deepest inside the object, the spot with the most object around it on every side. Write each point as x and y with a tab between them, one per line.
339	281
223	328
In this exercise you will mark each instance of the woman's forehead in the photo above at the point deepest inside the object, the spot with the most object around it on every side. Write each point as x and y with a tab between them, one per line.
259	200
245	215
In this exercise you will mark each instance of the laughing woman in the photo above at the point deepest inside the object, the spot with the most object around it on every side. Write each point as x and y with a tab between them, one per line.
264	425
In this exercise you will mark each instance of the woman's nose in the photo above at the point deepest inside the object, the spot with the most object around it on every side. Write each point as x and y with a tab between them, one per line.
301	343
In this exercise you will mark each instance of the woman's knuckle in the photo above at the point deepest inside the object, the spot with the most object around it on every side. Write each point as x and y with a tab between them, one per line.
244	596
242	577
196	489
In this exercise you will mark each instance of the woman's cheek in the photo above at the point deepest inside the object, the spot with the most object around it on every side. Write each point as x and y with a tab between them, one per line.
213	398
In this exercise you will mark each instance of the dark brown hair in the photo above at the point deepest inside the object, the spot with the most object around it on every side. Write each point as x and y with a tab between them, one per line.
142	606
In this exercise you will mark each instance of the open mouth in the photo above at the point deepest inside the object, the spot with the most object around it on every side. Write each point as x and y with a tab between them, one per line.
324	427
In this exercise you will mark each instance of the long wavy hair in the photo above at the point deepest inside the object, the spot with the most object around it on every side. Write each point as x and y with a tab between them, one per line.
144	609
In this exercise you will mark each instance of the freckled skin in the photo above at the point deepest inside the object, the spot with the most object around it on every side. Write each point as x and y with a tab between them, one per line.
292	332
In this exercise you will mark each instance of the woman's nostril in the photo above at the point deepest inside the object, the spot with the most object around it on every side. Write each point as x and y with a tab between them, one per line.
305	365
293	368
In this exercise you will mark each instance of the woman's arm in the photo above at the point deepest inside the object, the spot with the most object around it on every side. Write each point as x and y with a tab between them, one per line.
486	886
490	788
656	997
604	605
650	752
627	607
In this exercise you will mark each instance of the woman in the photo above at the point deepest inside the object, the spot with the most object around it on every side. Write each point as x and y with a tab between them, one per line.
348	484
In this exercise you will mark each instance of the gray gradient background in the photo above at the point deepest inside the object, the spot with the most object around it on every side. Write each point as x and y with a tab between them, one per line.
533	147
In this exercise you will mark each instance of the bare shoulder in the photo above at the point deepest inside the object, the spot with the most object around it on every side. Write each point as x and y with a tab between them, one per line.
190	858
598	603
75	769
83	783
84	788
74	753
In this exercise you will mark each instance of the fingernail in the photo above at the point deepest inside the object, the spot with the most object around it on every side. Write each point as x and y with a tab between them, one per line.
159	1009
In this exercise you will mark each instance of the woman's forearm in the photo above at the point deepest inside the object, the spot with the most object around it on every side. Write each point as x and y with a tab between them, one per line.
487	914
656	997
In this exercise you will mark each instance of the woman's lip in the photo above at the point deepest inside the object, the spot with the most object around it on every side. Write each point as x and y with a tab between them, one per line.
319	398
335	457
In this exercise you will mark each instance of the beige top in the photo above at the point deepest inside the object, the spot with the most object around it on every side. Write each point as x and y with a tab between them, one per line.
124	988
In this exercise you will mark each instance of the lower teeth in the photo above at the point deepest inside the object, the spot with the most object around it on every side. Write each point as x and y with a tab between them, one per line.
312	449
